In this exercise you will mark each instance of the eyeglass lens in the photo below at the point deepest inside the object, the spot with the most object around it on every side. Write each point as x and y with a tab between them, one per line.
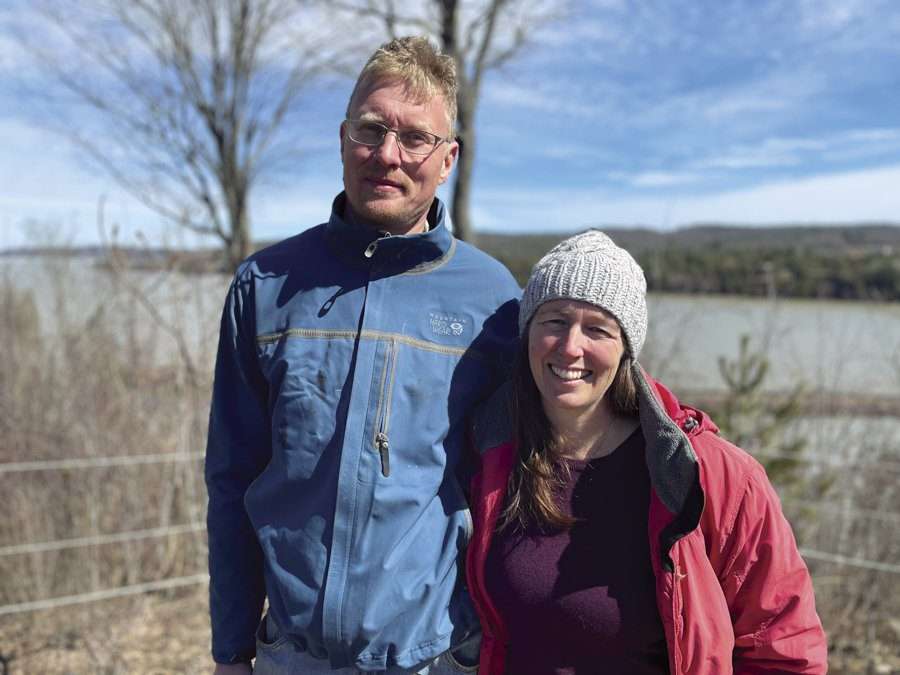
415	141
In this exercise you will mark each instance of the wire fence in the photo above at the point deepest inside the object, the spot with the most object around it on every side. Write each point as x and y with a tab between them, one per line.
107	594
873	565
45	467
97	462
100	539
33	548
138	460
832	462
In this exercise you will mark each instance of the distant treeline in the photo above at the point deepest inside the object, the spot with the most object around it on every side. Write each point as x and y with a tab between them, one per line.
841	262
788	273
859	262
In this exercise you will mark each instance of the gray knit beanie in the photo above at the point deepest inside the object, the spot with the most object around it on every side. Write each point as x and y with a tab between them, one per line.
591	268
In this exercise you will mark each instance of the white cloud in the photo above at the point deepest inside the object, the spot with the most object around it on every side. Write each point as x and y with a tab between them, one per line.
10	54
651	179
885	135
768	153
831	15
857	196
740	103
591	32
855	144
46	183
777	93
42	182
534	97
849	26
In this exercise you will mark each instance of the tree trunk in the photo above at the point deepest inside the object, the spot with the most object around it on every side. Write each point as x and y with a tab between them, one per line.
238	245
462	185
465	100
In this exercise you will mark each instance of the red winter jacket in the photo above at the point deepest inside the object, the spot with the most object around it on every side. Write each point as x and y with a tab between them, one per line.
733	593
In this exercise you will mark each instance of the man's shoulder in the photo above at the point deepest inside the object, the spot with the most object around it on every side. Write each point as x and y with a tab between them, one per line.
283	256
471	256
477	256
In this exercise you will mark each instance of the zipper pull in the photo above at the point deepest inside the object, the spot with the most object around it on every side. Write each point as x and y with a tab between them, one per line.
370	249
381	442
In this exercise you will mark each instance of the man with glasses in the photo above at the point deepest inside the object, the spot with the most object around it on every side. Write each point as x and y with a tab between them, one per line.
349	359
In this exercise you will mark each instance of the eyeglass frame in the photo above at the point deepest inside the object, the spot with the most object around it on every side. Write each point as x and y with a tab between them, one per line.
437	139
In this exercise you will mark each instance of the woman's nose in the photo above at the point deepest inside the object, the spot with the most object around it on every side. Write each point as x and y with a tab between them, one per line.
570	343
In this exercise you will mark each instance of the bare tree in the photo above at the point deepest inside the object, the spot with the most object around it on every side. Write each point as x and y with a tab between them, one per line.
186	100
480	35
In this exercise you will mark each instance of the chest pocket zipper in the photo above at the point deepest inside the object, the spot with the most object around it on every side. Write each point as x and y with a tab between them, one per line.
384	449
381	441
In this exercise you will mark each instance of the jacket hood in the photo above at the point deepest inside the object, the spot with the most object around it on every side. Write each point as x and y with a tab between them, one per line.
671	461
665	424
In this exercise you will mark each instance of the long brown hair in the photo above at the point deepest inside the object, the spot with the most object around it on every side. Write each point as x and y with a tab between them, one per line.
535	478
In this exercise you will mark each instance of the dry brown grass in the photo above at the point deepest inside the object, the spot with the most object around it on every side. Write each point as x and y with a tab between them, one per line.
98	382
153	634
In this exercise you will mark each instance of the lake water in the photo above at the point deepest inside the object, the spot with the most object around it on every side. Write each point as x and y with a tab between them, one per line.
830	346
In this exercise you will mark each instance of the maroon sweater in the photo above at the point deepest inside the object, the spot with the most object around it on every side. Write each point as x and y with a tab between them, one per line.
582	601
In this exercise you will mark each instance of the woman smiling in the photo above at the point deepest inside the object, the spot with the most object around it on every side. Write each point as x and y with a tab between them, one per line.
615	531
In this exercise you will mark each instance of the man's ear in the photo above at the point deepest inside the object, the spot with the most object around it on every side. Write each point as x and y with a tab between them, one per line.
449	160
342	131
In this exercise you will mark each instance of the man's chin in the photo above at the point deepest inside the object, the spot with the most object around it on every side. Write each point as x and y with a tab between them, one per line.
384	215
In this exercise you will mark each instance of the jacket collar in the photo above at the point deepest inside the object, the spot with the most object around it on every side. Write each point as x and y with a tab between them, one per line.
671	460
362	246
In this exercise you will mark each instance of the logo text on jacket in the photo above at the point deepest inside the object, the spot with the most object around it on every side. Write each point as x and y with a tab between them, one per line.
446	324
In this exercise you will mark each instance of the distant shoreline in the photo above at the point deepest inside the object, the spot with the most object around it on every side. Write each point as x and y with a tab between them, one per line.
815	262
812	404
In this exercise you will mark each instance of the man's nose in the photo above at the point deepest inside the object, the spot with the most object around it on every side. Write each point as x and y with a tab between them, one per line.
388	151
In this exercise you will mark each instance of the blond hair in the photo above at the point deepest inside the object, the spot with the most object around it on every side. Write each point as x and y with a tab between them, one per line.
424	71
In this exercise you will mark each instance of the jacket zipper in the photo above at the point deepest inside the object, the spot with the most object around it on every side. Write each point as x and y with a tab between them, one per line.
384	450
371	248
677	619
382	443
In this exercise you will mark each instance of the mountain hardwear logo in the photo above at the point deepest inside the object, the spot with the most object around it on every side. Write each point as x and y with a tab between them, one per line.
446	324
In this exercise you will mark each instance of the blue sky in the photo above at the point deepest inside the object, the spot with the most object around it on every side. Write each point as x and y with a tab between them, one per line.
658	113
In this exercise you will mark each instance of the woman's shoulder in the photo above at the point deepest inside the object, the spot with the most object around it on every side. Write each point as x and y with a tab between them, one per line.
732	481
716	452
713	451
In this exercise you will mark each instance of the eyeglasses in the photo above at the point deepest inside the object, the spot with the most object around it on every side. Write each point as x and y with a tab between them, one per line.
414	141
